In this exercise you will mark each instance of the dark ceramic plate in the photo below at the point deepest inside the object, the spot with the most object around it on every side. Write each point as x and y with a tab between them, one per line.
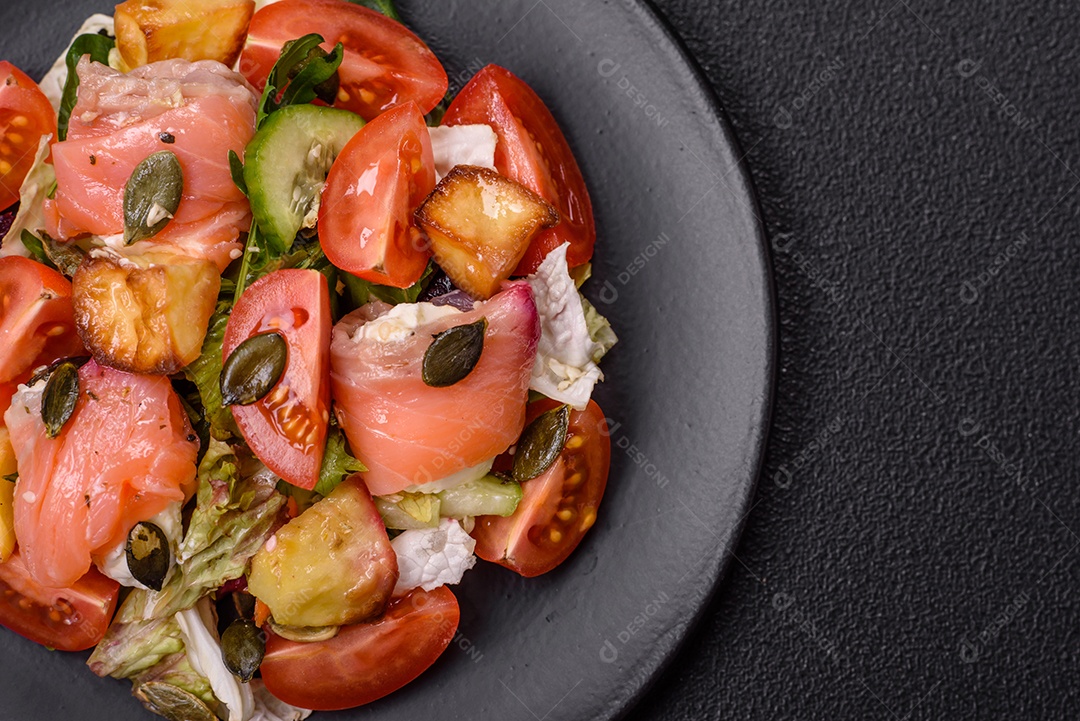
681	271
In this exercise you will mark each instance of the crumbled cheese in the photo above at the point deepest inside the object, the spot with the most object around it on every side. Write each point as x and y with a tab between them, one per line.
402	321
156	214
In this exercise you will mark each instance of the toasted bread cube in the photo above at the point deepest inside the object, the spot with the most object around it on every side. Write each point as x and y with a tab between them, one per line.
144	314
480	224
151	30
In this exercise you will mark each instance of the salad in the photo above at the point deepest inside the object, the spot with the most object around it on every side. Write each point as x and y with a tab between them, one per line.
289	337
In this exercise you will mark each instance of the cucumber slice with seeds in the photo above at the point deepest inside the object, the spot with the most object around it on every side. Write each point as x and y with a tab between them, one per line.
489	496
286	163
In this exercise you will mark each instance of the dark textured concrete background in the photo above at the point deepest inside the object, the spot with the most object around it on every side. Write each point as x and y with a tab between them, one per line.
912	551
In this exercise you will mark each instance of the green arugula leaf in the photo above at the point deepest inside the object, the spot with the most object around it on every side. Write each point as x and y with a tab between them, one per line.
386	7
97	47
236	168
308	71
361	291
36	248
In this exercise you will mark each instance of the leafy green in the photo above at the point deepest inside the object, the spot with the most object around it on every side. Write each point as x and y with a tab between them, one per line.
337	463
205	373
177	670
234	515
132	648
236	168
31	215
36	248
97	47
361	291
599	330
296	57
435	117
386	7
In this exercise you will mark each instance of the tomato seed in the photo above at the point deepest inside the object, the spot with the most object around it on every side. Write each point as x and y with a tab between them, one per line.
574	481
555	535
20	121
566	514
54	615
16	138
588	519
5	167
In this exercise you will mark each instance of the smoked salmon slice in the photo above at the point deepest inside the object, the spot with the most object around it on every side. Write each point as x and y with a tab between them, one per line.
198	111
126	454
408	433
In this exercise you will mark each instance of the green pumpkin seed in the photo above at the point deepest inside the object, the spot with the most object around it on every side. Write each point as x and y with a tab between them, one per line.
152	195
453	354
148	555
253	369
60	396
304	634
243	646
173	702
541	443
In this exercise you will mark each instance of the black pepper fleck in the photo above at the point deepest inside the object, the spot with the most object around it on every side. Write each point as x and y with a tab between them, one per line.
168	138
93	160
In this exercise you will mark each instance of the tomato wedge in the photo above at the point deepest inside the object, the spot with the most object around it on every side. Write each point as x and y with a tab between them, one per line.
363	662
37	319
25	116
533	151
286	429
385	64
382	175
559	506
71	619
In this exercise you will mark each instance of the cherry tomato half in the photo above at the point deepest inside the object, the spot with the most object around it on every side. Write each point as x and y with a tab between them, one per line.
366	218
71	619
559	506
533	151
385	64
366	661
37	319
25	116
286	429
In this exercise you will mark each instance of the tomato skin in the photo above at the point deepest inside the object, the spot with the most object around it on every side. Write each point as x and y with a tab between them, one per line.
25	116
524	542
41	614
385	64
366	661
37	319
366	218
287	428
533	151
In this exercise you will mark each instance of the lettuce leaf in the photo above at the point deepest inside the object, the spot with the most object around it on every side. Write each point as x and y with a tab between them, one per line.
233	518
337	463
600	330
130	649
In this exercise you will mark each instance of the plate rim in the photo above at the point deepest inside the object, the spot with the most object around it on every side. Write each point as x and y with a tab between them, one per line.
662	657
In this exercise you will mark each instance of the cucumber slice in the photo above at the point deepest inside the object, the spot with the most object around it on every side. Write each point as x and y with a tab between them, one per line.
489	496
408	511
286	163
